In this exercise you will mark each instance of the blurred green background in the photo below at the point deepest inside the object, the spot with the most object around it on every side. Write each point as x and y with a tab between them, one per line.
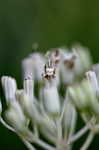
50	23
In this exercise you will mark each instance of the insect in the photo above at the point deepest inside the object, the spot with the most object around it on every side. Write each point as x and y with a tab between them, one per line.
49	70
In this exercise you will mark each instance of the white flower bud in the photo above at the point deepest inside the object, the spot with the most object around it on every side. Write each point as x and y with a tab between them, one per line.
51	100
91	76
9	86
15	117
84	97
29	88
78	97
30	110
27	105
91	96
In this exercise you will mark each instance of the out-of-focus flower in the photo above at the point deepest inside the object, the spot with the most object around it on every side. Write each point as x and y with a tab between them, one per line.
84	55
75	64
27	67
33	65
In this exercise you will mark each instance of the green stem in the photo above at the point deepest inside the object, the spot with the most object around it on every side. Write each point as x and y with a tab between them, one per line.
78	135
44	145
6	125
88	141
59	133
28	145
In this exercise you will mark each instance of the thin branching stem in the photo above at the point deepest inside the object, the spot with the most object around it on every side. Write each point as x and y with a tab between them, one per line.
28	144
59	132
6	125
78	134
44	145
88	141
63	110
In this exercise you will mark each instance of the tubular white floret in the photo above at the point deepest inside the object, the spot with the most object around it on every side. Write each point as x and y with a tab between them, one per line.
9	86
15	117
51	100
91	76
29	87
27	105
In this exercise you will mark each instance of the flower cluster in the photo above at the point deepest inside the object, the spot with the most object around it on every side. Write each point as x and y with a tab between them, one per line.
39	109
